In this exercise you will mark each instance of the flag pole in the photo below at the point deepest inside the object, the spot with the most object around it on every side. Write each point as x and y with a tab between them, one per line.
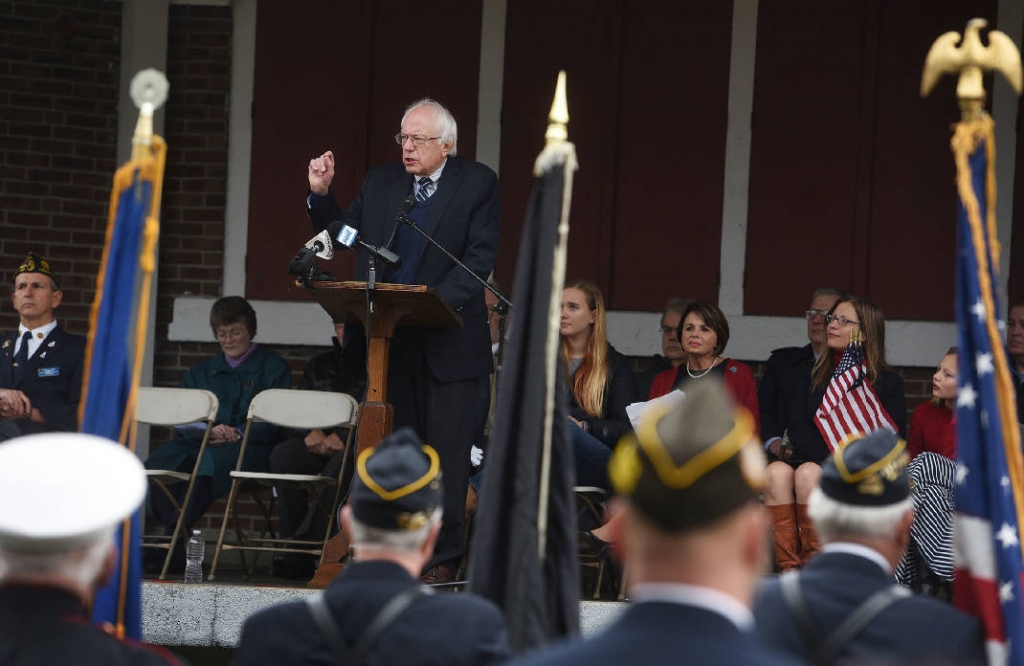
558	151
990	466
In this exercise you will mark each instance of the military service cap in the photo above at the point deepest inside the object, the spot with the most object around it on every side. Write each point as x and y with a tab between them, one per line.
33	263
692	463
869	470
50	496
398	483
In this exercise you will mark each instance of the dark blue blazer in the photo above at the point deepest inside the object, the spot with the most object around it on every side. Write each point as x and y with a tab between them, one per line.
438	629
44	625
915	630
52	379
463	218
654	632
777	393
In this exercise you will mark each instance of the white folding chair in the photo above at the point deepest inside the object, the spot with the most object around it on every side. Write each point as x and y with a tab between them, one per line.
299	410
175	407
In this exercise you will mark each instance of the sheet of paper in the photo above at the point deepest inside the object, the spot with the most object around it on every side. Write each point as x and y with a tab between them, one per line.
636	410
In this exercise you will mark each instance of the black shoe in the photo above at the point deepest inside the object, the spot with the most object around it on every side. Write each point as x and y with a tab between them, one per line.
294	566
591	546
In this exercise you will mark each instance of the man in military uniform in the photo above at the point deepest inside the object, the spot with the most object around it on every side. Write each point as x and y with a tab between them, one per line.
41	364
57	548
376	611
843	607
692	532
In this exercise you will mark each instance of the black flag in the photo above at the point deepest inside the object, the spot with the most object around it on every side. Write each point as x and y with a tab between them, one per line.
524	546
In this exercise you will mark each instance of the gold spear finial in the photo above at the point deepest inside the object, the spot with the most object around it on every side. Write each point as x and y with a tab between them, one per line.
558	117
557	148
969	60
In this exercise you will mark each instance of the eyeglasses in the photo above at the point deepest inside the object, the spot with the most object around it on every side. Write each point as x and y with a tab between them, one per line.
842	321
417	141
811	314
668	330
231	333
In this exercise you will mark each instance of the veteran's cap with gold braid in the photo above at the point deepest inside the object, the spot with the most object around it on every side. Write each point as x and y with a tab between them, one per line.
690	464
398	483
869	470
33	263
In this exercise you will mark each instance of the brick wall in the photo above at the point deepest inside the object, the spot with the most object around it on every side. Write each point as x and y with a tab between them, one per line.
59	79
195	181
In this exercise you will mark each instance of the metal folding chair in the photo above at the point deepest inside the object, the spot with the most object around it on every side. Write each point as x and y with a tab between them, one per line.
299	410
175	407
590	500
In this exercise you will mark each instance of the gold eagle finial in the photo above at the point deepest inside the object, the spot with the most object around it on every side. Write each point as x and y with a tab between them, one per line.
970	60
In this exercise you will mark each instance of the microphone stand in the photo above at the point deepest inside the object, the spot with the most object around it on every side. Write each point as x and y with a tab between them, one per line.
503	305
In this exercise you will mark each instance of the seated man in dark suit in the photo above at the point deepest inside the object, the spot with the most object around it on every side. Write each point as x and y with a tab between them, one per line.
340	370
376	612
782	398
862	510
41	364
692	532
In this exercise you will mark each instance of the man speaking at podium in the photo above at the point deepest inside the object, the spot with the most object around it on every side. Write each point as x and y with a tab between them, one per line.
434	374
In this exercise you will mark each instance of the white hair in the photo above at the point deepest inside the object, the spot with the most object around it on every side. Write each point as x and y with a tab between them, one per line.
447	128
835	519
366	537
82	565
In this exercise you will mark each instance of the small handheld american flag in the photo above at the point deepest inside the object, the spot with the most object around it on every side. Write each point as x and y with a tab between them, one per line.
850	405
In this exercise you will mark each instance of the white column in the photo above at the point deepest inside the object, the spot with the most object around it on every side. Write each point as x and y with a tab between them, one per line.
733	252
492	77
143	44
236	200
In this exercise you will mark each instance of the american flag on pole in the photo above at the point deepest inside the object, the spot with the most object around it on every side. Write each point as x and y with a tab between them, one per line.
990	471
850	405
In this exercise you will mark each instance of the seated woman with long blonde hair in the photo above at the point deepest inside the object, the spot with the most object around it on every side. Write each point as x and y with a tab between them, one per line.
599	380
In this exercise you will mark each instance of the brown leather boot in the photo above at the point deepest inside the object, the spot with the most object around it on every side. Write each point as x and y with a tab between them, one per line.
784	536
809	545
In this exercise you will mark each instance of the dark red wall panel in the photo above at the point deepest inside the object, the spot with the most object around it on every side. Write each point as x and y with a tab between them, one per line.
338	76
647	89
851	174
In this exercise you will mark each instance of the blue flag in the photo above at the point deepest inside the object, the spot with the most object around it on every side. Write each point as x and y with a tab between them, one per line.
990	472
114	354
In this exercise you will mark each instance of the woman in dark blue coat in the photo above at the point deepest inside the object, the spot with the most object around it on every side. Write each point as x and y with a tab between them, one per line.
236	375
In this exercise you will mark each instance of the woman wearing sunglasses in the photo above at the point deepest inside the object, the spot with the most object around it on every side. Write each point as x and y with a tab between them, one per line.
796	468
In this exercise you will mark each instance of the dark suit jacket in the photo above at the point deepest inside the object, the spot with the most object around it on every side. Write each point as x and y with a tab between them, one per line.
913	630
52	380
438	629
776	394
655	632
42	625
463	218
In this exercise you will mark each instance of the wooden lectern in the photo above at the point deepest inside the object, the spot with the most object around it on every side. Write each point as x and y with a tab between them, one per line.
394	305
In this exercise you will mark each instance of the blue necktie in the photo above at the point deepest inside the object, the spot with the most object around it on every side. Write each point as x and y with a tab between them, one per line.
425	187
21	358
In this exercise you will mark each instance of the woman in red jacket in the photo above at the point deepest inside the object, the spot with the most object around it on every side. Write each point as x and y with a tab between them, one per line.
703	335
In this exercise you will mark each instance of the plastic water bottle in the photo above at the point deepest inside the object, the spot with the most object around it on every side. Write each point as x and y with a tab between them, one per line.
194	552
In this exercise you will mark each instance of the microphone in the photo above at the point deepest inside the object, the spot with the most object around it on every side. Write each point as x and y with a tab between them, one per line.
349	237
321	244
407	205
